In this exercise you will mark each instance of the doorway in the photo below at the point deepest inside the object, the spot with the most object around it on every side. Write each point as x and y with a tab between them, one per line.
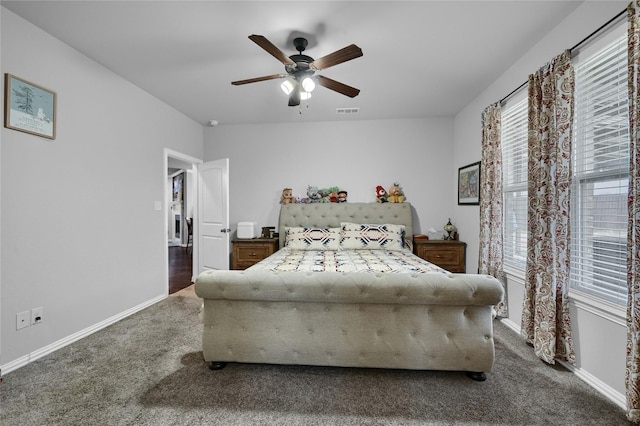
180	206
180	268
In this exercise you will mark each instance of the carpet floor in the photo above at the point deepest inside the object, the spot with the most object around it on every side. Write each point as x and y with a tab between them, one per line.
148	370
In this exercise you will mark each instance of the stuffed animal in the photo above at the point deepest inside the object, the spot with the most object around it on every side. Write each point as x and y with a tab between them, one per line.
329	195
381	194
325	195
313	196
287	196
342	196
395	194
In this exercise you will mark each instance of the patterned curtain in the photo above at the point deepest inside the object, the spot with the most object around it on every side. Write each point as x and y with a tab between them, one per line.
545	316
632	377
491	257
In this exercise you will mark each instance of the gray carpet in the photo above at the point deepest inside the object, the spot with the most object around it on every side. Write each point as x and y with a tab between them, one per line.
148	370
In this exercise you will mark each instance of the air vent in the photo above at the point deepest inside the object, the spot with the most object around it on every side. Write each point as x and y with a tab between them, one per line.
347	111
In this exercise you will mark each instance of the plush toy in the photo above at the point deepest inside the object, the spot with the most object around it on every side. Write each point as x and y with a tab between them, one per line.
329	195
325	195
381	194
287	196
342	196
396	195
313	196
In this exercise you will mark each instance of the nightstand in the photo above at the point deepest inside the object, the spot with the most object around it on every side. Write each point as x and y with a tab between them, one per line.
447	254
247	252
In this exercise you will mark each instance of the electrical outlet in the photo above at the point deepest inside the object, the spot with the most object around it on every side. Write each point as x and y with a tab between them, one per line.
22	320
36	315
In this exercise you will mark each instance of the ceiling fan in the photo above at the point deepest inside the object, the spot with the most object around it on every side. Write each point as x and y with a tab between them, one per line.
300	78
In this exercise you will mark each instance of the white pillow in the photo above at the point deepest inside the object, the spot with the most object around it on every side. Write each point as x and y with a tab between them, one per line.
367	236
312	238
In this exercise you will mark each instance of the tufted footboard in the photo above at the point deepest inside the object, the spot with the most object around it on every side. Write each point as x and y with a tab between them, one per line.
422	321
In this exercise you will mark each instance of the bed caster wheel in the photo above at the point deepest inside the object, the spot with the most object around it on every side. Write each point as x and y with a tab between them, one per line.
214	365
478	376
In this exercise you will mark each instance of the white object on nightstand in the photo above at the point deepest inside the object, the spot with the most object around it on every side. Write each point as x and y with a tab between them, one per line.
247	229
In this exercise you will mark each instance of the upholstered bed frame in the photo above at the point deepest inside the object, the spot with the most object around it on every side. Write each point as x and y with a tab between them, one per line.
429	321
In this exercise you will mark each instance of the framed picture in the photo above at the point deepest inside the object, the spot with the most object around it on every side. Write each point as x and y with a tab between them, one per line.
469	184
29	108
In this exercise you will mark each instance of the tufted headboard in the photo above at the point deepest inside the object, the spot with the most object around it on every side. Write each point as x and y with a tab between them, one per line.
329	215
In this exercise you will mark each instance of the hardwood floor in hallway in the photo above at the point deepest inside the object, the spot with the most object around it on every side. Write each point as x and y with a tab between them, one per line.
180	268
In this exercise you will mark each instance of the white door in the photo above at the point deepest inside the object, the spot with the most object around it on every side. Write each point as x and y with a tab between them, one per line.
212	226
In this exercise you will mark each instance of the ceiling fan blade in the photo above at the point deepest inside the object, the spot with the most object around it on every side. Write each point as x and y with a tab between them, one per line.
336	86
255	80
339	56
271	49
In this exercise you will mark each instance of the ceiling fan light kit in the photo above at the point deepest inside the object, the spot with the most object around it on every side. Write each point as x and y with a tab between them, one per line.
308	84
288	85
300	77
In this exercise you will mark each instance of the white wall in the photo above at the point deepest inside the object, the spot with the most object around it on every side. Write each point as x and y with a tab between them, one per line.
80	236
600	360
355	156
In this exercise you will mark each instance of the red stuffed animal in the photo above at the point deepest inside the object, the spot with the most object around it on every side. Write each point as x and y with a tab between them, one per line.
381	194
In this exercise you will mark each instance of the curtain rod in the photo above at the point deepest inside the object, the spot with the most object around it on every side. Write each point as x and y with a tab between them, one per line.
580	43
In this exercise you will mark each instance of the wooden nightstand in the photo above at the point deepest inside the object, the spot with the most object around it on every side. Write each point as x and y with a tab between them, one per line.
247	252
447	254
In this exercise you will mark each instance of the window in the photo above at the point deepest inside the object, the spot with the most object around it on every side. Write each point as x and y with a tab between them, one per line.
514	175
600	166
601	175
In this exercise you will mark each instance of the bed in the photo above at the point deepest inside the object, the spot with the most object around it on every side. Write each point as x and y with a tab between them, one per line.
317	303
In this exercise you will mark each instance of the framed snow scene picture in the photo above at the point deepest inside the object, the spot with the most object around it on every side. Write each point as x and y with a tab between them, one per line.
29	108
469	184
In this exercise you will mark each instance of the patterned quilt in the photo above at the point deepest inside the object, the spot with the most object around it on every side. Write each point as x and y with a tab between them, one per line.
396	261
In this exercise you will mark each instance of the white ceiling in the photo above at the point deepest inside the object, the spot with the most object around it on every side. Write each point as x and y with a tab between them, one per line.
421	58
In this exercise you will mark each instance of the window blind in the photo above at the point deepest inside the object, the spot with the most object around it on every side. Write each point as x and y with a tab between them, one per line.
514	172
601	174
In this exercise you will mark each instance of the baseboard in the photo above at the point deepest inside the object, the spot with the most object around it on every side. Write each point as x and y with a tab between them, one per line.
46	350
607	391
614	396
512	325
